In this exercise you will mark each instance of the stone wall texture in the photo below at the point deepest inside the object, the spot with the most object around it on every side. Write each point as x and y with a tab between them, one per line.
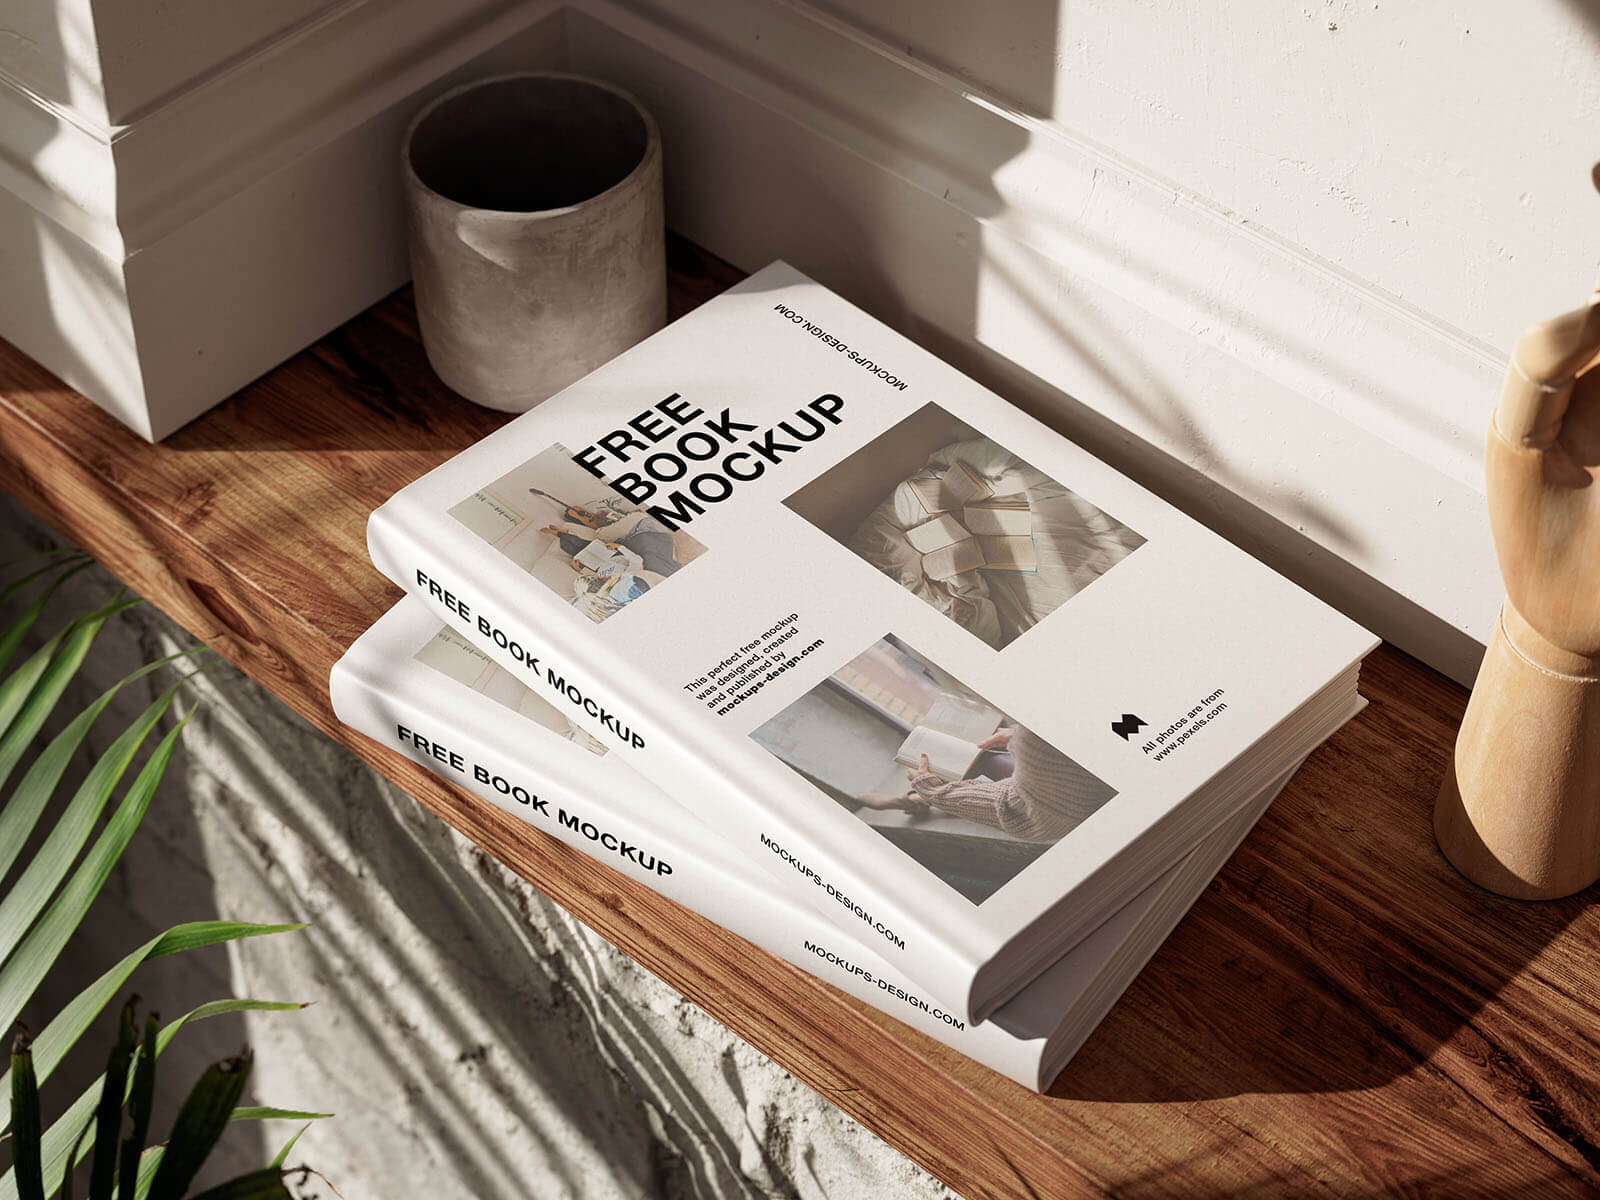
473	1039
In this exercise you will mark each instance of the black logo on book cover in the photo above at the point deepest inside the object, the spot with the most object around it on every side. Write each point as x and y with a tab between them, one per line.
1128	726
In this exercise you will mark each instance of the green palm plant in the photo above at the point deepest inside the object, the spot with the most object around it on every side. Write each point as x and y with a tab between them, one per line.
48	897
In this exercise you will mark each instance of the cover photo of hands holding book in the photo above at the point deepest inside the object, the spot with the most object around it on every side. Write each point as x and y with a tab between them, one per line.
928	793
934	768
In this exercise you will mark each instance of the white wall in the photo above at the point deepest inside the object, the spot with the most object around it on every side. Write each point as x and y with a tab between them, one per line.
1440	151
1266	258
1268	267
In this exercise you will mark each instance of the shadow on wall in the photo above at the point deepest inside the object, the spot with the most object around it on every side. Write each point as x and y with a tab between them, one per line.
1589	10
56	69
1027	94
162	880
944	203
472	1038
1029	42
1204	488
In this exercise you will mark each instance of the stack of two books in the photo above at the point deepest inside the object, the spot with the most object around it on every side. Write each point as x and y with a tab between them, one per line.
676	617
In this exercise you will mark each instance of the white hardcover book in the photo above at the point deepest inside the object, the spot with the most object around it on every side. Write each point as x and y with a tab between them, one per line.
766	657
424	690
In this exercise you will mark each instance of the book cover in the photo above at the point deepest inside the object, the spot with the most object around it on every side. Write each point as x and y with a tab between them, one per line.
763	459
431	694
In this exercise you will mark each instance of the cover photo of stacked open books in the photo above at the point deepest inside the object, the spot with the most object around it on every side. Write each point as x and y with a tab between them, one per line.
797	625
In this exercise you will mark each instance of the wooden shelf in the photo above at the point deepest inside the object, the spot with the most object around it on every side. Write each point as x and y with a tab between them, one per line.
1339	1014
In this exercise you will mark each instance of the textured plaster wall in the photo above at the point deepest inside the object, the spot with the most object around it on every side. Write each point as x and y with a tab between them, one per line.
1439	151
474	1040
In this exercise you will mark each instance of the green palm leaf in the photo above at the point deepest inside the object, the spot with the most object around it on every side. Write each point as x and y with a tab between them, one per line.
260	1112
28	1168
77	1151
57	553
283	1154
29	693
58	1141
12	637
199	1123
151	1161
63	1032
22	811
108	1112
141	1099
21	973
56	560
265	1184
45	905
28	896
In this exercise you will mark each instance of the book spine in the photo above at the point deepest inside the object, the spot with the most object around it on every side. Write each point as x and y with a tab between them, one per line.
672	862
796	862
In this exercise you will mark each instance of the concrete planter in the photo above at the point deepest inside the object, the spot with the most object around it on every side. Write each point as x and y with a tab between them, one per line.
536	233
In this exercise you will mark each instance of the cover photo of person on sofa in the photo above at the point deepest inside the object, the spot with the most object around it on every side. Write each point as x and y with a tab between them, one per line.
575	535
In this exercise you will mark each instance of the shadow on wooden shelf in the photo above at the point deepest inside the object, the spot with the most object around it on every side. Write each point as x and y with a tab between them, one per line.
368	386
1340	1012
1339	953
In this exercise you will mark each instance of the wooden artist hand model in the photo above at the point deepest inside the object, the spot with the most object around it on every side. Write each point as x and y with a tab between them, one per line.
1519	807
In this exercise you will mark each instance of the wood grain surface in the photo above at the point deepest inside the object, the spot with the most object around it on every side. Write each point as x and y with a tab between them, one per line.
1340	1014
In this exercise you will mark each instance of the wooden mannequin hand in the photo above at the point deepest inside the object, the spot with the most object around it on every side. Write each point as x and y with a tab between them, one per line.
1543	473
1519	803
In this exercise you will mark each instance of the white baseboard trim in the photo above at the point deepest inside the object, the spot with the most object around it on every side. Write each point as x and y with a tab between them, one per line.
192	273
166	261
1207	358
